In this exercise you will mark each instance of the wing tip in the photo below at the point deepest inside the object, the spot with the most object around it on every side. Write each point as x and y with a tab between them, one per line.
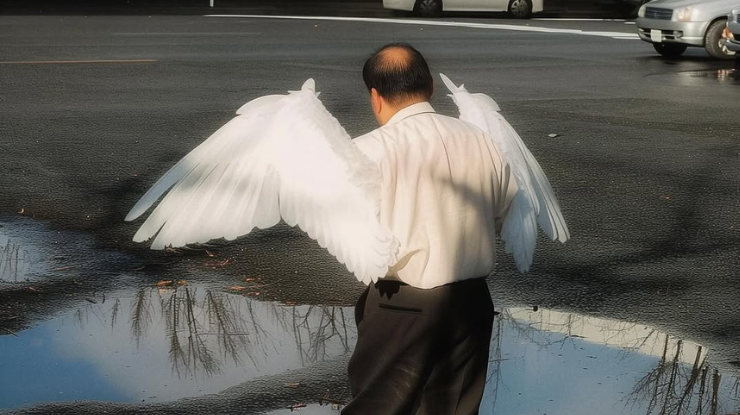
448	83
309	85
132	215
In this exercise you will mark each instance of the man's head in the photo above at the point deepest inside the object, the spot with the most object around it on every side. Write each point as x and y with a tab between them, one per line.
396	76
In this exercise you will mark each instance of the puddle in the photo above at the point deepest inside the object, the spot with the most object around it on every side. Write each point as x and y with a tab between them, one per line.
564	363
32	252
162	344
702	77
18	261
313	409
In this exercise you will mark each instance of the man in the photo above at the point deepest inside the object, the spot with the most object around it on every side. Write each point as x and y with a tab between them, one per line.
424	330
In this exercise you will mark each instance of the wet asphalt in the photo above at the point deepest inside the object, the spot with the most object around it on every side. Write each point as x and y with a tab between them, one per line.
645	163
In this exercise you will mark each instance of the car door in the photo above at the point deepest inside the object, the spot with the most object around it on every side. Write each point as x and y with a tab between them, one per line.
476	5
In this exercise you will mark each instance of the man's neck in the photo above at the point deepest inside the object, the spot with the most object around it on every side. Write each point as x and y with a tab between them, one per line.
391	110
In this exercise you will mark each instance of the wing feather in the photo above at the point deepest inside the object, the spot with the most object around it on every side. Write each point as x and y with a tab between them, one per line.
282	157
535	202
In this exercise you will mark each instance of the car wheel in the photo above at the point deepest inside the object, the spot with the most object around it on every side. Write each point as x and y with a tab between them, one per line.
520	9
428	8
670	50
712	41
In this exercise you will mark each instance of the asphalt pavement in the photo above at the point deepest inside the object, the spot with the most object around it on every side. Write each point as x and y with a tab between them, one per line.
93	109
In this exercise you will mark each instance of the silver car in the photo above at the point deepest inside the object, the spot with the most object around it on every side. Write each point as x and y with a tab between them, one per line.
674	25
732	41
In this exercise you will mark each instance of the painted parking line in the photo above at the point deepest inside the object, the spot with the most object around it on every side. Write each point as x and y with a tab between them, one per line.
77	61
566	19
537	29
187	34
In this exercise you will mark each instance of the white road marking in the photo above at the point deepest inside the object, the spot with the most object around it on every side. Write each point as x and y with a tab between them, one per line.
180	34
93	61
614	35
558	19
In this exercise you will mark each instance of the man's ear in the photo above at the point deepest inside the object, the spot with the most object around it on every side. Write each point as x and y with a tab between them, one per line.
376	101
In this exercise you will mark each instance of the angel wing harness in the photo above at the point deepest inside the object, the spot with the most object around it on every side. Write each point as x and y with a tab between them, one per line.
286	157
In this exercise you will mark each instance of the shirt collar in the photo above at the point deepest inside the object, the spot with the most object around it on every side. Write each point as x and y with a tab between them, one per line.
413	109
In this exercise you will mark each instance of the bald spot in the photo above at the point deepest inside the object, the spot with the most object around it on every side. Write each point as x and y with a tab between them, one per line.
395	58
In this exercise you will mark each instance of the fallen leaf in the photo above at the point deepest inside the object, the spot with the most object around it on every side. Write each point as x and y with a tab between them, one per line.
293	384
238	288
248	279
33	289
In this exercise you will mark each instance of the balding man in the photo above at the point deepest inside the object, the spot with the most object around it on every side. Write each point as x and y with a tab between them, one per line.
424	330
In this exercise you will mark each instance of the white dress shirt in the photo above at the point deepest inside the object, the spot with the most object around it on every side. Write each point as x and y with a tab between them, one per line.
445	191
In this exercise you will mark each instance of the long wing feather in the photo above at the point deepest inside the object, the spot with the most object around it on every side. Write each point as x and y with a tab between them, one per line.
282	157
535	202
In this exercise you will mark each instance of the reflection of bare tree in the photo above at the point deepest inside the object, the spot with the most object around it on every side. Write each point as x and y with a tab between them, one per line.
206	328
181	321
331	324
140	314
231	332
673	389
530	331
494	379
114	313
681	383
14	262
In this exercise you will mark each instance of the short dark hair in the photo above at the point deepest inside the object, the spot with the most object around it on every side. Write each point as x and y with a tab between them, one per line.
398	78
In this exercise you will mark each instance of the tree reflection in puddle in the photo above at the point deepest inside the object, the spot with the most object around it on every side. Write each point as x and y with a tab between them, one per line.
607	364
672	389
15	262
206	329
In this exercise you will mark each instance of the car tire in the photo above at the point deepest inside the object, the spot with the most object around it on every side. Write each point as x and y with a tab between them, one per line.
520	9
428	8
712	38
670	50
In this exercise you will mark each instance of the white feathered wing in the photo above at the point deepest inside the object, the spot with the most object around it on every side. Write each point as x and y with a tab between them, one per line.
535	202
282	156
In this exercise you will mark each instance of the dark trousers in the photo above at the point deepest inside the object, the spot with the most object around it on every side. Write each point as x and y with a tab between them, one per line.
421	351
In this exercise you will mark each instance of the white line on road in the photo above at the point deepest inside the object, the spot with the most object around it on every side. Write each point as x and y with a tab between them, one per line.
181	34
561	19
77	62
615	35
